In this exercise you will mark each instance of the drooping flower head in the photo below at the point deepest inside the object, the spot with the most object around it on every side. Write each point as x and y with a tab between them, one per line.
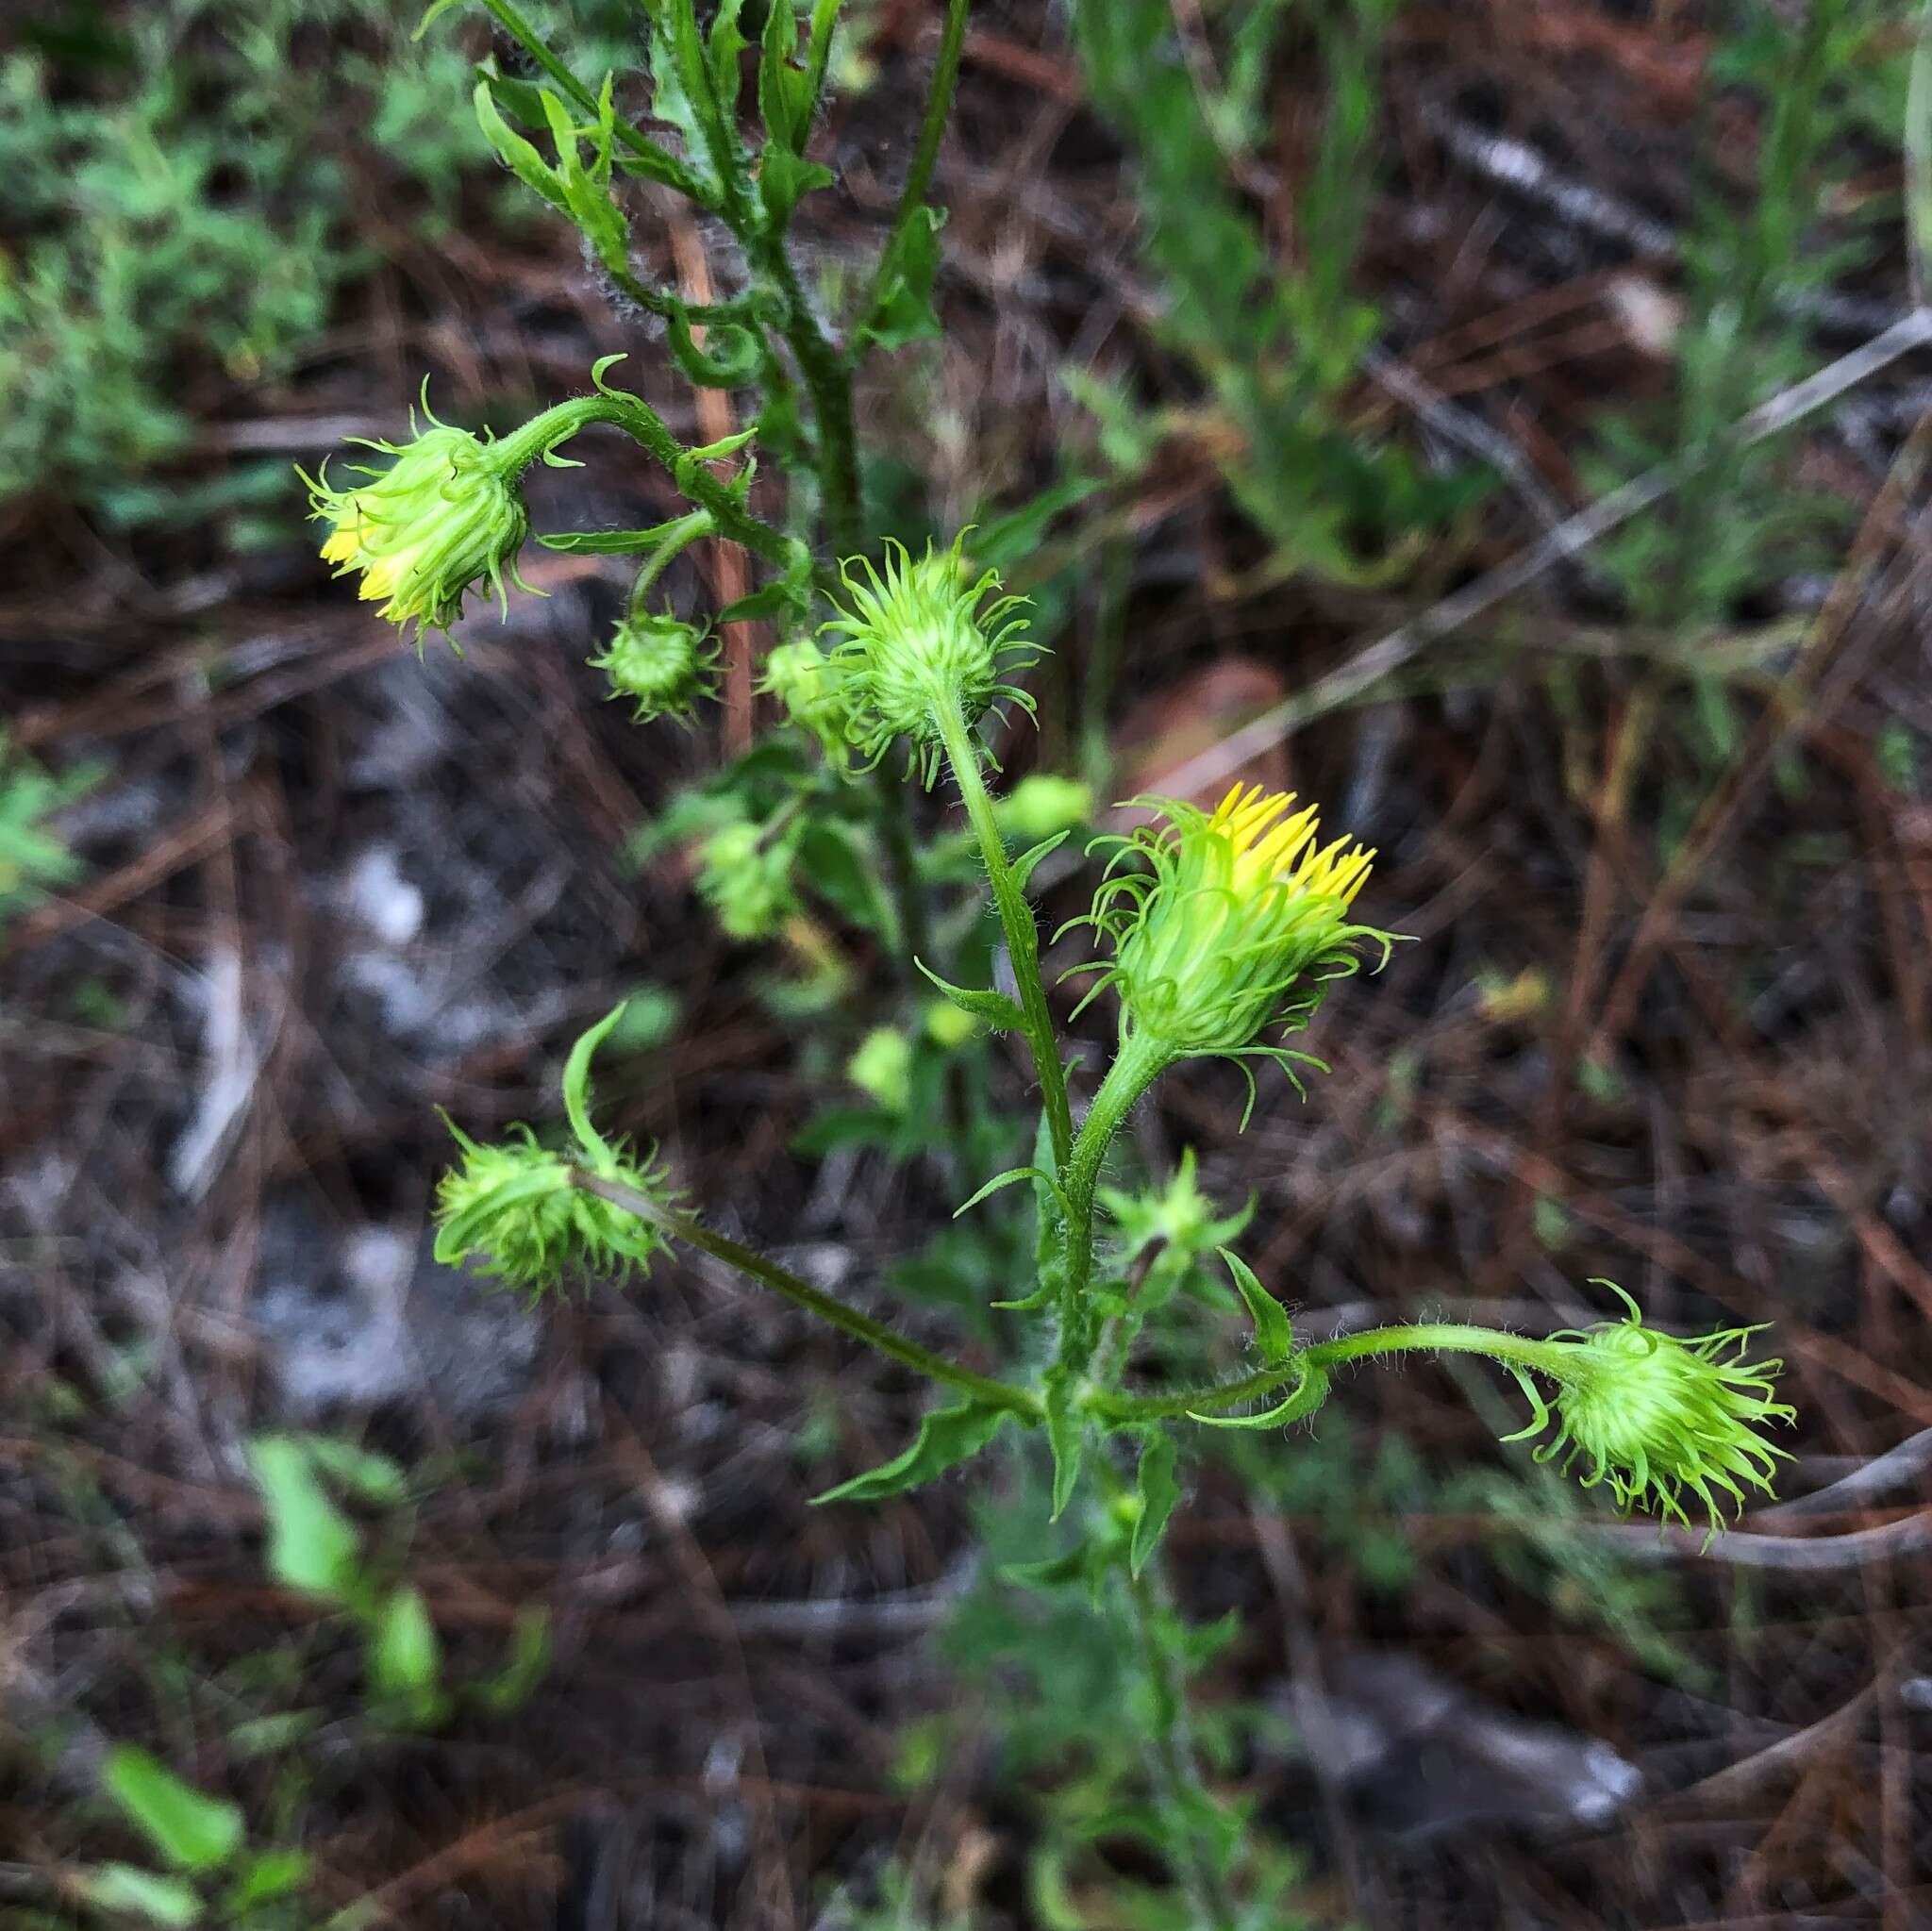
519	1210
663	665
1225	924
513	1210
921	643
445	516
1657	1418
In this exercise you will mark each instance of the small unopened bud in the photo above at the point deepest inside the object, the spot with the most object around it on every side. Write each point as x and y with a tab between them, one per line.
1659	1418
662	665
745	876
802	677
521	1211
446	516
515	1211
921	645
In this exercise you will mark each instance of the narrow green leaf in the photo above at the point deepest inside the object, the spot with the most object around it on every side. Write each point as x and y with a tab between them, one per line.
1055	1572
513	1686
996	1009
1273	1332
784	88
404	1656
365	1475
518	155
946	1438
901	310
1066	1435
1024	864
264	1878
607	542
785	179
999	1180
1310	1393
1154	1483
138	1893
313	1545
192	1831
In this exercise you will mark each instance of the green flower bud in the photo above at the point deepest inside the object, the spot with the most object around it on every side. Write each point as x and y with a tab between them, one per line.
802	677
920	644
1657	1418
947	1025
446	515
1042	805
514	1210
1237	924
663	664
518	1210
882	1067
745	877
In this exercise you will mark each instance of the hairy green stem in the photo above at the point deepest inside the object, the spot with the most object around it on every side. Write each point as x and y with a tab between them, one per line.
1312	1365
644	424
1172	1764
828	1307
1023	934
1139	1063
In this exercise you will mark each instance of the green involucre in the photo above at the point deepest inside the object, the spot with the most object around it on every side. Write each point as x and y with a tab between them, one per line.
514	1210
1657	1418
445	516
664	665
1230	923
920	642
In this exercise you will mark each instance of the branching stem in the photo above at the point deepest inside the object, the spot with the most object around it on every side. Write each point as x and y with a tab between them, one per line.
828	1307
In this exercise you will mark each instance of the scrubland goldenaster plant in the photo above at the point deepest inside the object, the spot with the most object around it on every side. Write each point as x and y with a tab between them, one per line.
1223	930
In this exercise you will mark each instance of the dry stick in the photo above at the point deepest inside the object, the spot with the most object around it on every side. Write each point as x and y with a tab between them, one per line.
1569	539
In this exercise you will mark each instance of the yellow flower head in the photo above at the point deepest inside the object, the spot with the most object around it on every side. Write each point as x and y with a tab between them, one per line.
446	515
1223	923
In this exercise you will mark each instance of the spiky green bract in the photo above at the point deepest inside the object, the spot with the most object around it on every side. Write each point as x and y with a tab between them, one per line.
516	1209
1227	922
664	665
446	516
920	644
804	679
513	1210
1657	1418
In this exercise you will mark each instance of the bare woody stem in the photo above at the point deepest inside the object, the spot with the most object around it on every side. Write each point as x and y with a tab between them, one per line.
828	1307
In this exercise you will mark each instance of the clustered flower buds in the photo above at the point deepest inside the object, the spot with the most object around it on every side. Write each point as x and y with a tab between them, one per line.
446	515
1235	922
1657	1418
663	665
519	1210
744	876
920	647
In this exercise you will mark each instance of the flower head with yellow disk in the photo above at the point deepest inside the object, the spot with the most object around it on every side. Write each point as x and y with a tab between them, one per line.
1657	1418
1225	924
446	515
920	645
